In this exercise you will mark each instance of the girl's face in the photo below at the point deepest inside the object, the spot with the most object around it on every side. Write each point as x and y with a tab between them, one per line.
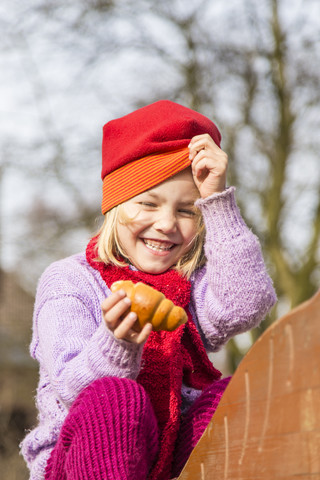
164	224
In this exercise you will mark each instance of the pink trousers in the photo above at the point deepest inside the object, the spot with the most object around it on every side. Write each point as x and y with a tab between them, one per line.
111	433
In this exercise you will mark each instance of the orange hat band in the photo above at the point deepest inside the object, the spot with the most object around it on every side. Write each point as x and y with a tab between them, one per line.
142	174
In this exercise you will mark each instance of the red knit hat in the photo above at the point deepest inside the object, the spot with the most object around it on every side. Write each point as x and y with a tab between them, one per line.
146	147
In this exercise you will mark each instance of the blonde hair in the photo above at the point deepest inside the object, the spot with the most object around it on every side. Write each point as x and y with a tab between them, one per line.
109	248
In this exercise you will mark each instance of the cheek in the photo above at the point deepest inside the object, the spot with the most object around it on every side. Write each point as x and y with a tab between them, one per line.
128	232
125	231
190	230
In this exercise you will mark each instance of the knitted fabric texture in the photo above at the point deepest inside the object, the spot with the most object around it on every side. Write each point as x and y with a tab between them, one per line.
160	127
195	422
109	433
169	358
147	146
73	346
144	173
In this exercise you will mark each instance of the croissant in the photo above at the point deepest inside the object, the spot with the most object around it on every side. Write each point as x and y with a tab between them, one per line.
151	306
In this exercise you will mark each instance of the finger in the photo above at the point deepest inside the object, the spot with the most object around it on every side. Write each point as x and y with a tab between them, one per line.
202	155
201	137
202	142
203	166
144	334
124	329
217	160
125	332
200	169
204	145
114	315
204	160
196	150
204	139
110	301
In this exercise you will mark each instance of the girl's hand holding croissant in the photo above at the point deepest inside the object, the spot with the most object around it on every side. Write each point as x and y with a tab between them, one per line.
114	310
150	310
209	165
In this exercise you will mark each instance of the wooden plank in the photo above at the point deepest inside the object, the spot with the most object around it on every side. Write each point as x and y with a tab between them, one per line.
267	425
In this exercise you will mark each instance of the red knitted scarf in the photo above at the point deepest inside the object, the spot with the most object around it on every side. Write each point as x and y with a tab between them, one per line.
169	358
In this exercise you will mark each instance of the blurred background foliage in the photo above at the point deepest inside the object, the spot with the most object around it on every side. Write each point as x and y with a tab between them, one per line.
69	67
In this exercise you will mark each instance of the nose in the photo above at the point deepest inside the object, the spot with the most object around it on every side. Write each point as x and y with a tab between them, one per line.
166	222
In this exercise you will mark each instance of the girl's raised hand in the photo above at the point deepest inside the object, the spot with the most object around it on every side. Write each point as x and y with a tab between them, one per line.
114	310
209	165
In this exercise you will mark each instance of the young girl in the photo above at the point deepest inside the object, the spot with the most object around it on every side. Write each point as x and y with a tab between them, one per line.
114	403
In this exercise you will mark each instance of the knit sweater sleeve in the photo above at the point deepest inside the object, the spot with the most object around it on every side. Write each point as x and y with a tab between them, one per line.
70	340
233	292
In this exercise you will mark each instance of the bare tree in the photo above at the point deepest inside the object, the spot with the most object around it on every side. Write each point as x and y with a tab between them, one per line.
249	67
71	66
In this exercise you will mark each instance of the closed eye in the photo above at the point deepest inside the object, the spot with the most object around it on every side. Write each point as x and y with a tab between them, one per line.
188	212
148	204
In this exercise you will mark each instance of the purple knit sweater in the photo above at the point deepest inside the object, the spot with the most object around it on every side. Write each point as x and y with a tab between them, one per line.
230	295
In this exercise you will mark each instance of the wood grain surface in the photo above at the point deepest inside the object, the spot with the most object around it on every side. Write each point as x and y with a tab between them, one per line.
267	425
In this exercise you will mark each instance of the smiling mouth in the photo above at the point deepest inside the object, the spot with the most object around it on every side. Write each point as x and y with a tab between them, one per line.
158	245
